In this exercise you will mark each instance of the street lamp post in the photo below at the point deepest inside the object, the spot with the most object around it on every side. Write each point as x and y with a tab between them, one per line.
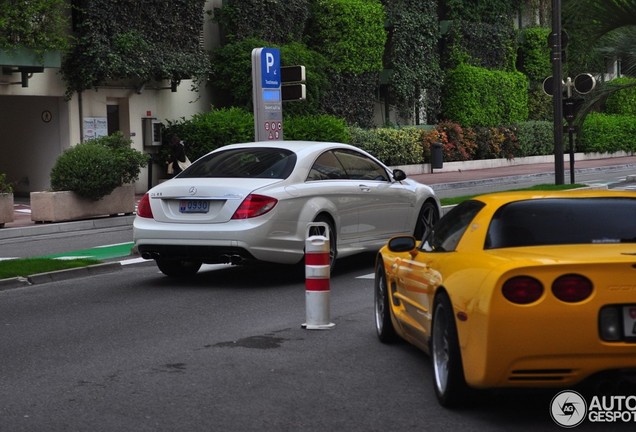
557	92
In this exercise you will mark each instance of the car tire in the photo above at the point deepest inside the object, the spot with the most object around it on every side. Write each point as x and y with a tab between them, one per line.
448	373
426	218
333	250
178	268
383	323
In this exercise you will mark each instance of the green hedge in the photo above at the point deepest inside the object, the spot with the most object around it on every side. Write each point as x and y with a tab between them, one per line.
622	101
534	54
606	133
316	128
535	138
210	130
391	146
410	145
476	96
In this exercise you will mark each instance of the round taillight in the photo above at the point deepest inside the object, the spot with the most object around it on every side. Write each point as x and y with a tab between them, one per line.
143	207
572	288
522	290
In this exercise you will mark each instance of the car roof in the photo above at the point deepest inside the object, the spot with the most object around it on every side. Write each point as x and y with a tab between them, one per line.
295	146
500	198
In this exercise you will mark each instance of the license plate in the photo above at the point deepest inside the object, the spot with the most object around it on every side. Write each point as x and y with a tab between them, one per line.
194	206
629	321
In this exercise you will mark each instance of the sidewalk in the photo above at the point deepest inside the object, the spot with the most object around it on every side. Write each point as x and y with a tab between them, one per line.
443	180
22	224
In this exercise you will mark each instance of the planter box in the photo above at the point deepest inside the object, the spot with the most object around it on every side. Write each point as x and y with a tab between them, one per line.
6	208
66	206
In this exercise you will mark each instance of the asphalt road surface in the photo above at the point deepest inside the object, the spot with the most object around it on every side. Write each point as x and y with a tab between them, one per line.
225	351
136	351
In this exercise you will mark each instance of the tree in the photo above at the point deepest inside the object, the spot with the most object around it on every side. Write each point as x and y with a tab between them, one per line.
610	26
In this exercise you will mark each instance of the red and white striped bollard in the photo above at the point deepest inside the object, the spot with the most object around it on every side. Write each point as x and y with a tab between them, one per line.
317	274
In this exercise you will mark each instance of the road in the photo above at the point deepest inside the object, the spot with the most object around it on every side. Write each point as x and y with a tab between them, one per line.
612	178
134	350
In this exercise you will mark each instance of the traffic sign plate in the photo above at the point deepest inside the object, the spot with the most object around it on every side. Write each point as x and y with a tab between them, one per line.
270	68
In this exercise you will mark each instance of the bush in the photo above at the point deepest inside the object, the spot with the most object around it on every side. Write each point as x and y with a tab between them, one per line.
622	101
95	168
534	57
5	186
535	138
539	105
391	146
496	142
460	144
210	130
316	128
605	133
475	96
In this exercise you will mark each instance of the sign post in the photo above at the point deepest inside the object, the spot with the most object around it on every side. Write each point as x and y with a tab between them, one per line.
267	95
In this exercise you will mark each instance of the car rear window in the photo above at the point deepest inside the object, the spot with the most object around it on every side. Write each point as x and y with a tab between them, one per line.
261	162
563	221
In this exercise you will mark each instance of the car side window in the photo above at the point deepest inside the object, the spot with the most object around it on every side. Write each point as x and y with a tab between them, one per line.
449	230
361	167
327	167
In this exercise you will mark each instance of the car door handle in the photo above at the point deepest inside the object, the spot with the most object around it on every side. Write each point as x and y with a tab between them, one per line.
364	188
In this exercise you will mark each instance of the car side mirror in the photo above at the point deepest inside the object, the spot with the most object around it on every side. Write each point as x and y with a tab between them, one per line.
398	174
402	244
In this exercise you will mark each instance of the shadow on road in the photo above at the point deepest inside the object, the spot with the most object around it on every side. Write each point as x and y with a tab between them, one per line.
260	275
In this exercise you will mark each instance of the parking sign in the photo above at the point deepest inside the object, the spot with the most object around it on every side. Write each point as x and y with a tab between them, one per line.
266	91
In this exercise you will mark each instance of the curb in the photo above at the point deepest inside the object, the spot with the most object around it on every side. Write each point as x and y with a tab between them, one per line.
66	227
507	179
59	275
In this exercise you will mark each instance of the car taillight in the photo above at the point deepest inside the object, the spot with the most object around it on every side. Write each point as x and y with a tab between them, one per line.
143	207
572	288
254	205
522	289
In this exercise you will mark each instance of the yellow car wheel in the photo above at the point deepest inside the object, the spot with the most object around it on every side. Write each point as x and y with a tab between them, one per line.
383	324
450	384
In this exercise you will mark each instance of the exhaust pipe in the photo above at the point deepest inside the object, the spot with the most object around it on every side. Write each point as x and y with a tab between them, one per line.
232	259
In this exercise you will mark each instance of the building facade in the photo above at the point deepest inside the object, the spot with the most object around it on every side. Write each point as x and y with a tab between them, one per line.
37	122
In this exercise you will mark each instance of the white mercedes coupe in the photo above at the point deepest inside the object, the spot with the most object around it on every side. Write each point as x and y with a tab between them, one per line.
254	201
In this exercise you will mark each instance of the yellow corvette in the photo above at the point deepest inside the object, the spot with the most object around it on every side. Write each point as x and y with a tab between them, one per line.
516	289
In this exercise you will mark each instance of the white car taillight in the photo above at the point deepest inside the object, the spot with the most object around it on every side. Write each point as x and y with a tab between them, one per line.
143	208
254	205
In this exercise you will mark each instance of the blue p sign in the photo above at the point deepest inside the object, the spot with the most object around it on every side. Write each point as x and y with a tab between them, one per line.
270	68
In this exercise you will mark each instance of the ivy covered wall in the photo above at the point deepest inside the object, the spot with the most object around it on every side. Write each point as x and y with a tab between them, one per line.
137	40
37	24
